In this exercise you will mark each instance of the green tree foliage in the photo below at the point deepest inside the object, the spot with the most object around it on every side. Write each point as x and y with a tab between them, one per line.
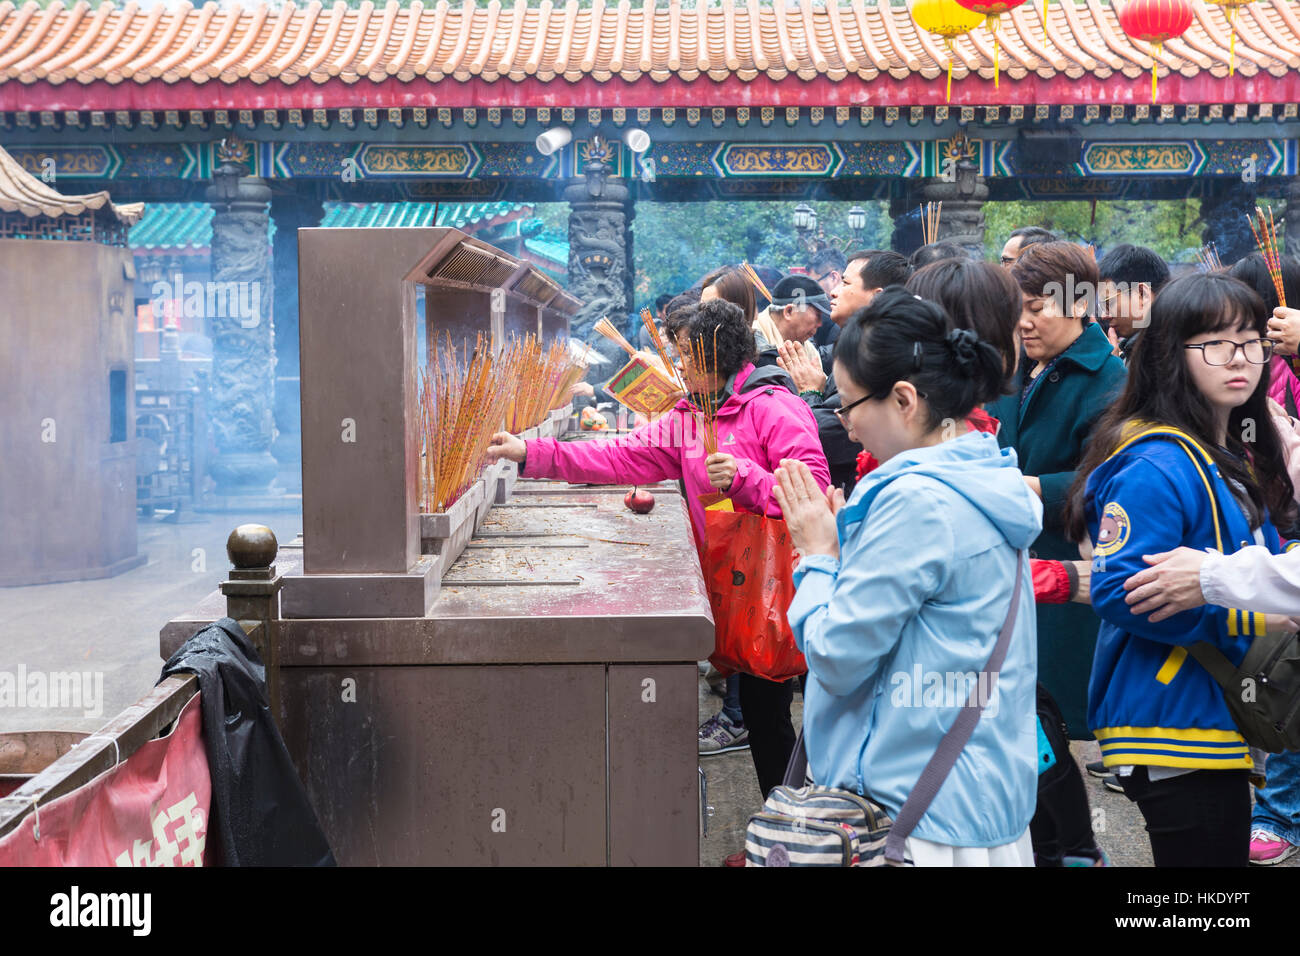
675	244
1171	228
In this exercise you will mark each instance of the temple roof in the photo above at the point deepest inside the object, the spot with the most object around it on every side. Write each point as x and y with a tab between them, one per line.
188	225
22	192
563	45
464	216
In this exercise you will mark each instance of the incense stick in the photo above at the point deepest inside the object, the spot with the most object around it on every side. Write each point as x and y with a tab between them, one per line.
1208	257
647	319
1266	238
607	329
930	213
462	402
754	279
707	408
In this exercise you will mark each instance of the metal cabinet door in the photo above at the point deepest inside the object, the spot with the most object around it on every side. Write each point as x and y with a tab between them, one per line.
458	765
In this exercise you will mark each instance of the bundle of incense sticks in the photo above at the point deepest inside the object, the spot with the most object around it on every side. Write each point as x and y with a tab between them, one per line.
542	380
563	372
462	402
752	276
1266	238
930	213
697	367
1208	257
607	329
647	319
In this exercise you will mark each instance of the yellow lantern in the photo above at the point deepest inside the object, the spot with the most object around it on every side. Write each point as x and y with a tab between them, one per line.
947	19
1230	8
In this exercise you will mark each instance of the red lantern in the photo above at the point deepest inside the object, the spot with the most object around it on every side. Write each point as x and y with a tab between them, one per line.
992	11
1155	21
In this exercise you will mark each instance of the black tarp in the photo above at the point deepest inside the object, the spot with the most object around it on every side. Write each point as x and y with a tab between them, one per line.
260	814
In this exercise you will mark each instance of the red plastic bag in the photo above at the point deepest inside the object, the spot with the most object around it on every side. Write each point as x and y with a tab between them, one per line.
748	562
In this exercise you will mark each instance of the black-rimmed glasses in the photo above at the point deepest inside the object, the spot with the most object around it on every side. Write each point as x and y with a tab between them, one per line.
1222	351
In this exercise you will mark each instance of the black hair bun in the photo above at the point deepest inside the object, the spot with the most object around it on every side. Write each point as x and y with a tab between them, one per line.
963	343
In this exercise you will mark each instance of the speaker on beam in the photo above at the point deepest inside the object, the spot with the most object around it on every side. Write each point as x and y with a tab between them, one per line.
1050	148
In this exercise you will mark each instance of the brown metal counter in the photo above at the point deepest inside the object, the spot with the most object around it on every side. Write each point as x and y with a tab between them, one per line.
544	710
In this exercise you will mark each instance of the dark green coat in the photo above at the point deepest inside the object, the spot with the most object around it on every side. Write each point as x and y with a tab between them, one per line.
1048	433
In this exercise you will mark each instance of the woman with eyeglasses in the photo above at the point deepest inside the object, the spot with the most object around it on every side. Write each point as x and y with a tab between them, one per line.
1188	456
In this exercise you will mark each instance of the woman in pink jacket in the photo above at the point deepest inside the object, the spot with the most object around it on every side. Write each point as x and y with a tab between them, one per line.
760	421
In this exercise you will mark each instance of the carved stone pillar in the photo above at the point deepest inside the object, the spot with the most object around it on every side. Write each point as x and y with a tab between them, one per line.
291	211
1224	209
962	218
906	237
243	334
599	242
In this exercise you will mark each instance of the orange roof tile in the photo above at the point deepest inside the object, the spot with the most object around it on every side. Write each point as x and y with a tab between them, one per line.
742	39
22	192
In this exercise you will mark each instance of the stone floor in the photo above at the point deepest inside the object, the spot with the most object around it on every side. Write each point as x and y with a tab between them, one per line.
109	628
733	795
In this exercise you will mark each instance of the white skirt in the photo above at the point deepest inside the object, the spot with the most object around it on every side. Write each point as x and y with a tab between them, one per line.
1018	852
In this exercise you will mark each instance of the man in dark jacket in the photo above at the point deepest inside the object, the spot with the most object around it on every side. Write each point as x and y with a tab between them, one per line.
868	271
1130	277
827	267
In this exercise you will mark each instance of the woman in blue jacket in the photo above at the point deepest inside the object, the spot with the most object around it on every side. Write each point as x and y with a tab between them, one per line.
902	590
1188	456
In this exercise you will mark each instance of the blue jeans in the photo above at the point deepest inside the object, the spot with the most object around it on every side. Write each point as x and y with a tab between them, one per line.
1277	803
731	701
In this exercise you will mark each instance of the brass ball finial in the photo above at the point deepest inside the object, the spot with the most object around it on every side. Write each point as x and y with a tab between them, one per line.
251	546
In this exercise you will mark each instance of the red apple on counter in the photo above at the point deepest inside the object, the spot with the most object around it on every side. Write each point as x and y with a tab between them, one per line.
642	502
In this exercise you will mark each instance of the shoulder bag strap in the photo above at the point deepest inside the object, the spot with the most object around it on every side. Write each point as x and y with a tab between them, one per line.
1214	661
954	741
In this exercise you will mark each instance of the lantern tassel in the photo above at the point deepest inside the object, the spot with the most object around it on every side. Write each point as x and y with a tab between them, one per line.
1044	20
948	95
1154	64
992	24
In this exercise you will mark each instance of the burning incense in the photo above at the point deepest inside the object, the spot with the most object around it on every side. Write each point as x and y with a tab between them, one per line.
1266	238
462	402
754	279
540	380
930	213
1208	257
647	319
607	329
707	408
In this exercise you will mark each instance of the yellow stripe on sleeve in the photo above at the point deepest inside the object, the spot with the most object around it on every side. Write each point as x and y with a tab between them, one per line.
1172	663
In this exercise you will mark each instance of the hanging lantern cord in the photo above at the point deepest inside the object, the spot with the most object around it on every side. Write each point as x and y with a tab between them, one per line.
1230	13
992	24
947	41
1154	65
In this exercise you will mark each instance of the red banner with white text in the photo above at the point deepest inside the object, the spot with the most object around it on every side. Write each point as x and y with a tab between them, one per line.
150	810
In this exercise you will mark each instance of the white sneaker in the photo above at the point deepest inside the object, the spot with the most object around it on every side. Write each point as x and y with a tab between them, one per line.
718	735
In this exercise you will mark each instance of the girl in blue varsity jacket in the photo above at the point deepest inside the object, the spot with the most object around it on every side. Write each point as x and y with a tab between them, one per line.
1187	456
